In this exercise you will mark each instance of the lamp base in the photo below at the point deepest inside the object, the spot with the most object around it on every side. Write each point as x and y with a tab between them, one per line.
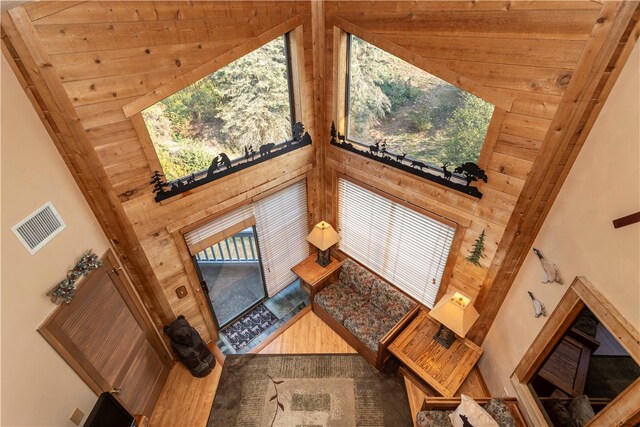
445	336
324	257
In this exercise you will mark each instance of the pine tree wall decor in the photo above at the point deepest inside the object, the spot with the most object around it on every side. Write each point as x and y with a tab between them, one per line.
478	251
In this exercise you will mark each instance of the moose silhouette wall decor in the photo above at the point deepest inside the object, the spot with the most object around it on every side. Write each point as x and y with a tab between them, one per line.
459	179
222	165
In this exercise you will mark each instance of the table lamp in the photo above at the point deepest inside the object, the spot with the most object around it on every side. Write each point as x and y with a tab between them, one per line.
456	315
323	236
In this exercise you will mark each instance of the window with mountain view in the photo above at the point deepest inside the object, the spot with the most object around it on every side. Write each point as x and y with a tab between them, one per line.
241	106
412	111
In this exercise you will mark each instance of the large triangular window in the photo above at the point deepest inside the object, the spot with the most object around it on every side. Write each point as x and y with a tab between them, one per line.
241	114
419	122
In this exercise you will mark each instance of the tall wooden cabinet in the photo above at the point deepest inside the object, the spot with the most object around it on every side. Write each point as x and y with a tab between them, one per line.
105	336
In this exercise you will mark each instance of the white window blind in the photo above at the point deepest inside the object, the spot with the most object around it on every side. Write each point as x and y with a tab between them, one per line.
281	222
198	239
405	247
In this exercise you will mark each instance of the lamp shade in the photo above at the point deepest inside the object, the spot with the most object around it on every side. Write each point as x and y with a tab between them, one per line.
323	236
456	312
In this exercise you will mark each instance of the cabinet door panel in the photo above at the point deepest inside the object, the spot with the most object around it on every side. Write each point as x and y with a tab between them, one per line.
106	342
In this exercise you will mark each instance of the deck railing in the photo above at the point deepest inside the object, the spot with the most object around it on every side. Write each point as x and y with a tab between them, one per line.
238	248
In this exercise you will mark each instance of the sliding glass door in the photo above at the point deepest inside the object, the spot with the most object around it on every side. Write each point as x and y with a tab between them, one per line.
231	273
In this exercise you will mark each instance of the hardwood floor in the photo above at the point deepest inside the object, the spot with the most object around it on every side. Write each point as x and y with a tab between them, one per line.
186	401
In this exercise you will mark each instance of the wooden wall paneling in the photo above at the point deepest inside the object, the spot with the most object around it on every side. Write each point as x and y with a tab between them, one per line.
81	159
518	24
432	67
79	37
105	63
400	7
316	181
96	90
209	67
101	53
556	156
192	277
39	10
564	54
535	85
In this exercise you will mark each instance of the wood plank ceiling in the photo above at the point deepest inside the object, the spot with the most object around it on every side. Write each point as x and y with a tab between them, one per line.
81	62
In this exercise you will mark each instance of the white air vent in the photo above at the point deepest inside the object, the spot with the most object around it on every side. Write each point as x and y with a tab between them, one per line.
37	229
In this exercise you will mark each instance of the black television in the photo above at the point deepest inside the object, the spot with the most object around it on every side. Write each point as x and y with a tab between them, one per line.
108	412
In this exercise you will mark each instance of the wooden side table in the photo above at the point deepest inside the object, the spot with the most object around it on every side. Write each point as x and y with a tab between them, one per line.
311	273
443	369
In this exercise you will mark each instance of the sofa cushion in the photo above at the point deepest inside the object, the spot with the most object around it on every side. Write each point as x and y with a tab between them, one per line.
500	412
389	300
433	419
581	410
369	325
357	277
469	412
339	300
558	413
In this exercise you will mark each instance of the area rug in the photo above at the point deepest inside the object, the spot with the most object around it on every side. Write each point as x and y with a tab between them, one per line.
328	390
244	330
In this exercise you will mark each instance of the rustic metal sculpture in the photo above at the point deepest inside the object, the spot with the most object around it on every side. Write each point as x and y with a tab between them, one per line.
164	190
459	180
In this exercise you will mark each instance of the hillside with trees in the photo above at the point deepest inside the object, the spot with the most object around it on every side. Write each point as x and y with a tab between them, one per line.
247	104
414	112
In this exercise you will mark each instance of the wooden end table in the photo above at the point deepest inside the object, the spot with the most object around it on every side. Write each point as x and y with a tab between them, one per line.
311	273
443	369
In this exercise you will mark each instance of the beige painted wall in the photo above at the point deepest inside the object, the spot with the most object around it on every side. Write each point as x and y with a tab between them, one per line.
578	236
38	387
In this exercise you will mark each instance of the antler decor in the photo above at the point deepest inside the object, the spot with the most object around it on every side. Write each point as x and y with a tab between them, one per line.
66	289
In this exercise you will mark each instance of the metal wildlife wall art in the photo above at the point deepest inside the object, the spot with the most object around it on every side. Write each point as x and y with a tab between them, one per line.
222	165
460	178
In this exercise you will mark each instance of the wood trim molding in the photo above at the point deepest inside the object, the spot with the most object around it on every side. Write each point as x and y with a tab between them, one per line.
207	68
496	98
569	129
192	276
581	293
528	403
339	79
144	137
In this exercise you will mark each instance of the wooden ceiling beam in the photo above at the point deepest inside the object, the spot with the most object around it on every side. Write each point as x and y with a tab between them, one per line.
568	131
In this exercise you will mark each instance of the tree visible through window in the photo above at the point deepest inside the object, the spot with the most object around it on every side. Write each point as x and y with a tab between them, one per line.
411	110
244	104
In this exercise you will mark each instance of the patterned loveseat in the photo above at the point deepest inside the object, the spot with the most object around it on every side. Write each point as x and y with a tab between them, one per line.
364	310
